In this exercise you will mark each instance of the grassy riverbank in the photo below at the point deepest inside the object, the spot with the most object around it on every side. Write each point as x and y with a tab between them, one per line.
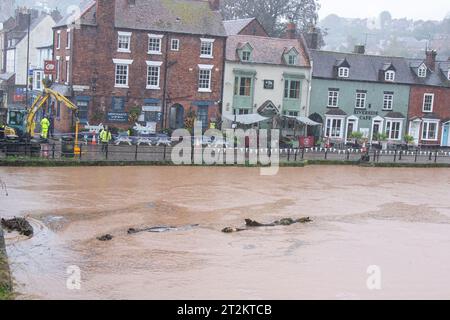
5	275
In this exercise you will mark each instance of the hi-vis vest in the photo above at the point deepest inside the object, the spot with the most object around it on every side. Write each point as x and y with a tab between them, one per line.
105	136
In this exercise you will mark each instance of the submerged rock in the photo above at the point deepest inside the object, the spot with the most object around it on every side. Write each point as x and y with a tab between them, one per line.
106	237
231	230
18	224
160	229
253	223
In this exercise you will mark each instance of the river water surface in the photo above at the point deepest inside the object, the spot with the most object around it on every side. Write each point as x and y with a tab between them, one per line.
395	219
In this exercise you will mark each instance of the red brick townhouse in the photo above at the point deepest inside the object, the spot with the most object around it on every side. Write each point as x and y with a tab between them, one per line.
163	58
429	105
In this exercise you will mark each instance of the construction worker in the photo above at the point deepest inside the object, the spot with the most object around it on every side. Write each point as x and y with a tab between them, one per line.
45	125
105	138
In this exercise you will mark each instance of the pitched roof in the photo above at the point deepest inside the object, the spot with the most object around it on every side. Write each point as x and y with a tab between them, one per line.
266	50
181	16
438	77
363	67
234	27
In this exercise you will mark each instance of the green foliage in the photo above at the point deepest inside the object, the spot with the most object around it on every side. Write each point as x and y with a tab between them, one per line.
134	113
409	139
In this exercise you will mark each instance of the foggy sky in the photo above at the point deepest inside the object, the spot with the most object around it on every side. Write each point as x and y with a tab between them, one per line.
414	9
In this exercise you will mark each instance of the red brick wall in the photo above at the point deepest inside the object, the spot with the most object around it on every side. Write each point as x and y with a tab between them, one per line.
441	106
254	28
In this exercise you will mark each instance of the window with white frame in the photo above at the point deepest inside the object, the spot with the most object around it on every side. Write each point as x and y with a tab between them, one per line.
206	48
67	70
360	100
343	72
393	129
122	72
292	59
430	130
58	68
389	76
246	55
153	74
292	89
422	71
428	100
204	78
388	101
154	43
334	127
124	41
175	45
58	39
333	98
68	39
38	76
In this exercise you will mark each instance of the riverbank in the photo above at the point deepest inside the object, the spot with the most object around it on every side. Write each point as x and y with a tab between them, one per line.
37	162
5	275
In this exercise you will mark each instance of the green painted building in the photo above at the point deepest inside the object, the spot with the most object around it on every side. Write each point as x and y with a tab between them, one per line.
359	93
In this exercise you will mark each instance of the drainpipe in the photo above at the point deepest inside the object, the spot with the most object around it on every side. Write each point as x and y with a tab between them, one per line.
166	74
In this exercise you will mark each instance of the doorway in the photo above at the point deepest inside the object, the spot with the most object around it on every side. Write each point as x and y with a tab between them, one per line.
446	135
414	130
177	116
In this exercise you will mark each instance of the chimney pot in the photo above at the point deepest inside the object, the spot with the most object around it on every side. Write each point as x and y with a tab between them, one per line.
359	49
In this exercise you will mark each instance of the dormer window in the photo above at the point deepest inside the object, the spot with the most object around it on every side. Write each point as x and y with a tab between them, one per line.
343	72
245	53
291	57
389	76
422	71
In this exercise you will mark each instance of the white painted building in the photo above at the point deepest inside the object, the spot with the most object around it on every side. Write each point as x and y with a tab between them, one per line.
41	35
269	77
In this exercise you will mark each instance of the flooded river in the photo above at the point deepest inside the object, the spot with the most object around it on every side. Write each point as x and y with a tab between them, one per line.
395	219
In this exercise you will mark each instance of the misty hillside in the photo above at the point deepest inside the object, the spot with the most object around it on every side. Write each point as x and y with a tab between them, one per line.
387	36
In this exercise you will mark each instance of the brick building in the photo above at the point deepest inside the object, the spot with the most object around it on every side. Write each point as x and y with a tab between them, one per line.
159	59
249	27
429	105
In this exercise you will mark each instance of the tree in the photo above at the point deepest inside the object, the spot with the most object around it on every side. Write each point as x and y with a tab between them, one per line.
274	14
385	19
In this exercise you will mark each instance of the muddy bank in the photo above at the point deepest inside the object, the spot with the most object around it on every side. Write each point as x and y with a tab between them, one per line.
5	275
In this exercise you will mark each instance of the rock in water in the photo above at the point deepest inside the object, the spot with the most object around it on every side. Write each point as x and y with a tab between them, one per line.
252	223
231	230
106	237
18	224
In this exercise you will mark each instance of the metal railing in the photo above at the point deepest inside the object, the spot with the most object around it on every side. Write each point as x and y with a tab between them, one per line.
57	150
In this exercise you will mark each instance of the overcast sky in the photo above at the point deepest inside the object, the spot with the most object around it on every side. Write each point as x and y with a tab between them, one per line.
433	10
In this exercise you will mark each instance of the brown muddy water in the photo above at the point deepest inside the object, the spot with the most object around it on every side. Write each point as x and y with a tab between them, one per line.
396	219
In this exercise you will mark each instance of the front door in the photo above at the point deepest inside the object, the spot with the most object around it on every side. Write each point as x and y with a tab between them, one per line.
446	135
414	131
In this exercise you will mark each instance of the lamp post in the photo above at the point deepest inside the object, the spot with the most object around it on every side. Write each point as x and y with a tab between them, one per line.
28	59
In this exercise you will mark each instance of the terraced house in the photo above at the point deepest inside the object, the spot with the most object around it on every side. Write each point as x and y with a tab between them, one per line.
429	106
158	58
355	92
269	79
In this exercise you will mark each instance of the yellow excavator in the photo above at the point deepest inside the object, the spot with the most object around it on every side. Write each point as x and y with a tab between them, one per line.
22	123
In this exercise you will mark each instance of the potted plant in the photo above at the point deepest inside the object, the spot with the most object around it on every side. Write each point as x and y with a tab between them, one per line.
409	140
133	115
383	138
357	137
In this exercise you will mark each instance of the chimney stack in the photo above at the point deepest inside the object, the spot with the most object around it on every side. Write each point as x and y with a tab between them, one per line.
312	38
430	60
359	49
214	5
291	31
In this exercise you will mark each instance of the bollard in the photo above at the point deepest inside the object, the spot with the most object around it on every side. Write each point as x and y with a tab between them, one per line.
435	157
164	158
395	156
303	153
53	150
415	157
289	154
326	154
400	155
106	151
81	151
295	156
136	152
